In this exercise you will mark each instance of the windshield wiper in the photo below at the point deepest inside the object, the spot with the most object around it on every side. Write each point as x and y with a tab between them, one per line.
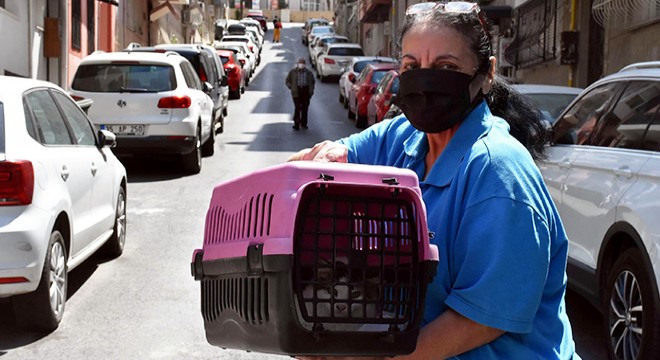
135	90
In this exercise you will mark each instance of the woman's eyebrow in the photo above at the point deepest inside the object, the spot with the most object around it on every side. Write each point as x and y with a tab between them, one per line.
409	56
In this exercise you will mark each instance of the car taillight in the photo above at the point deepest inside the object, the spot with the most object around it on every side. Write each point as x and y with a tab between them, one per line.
251	48
16	182
175	102
202	75
232	69
13	280
328	61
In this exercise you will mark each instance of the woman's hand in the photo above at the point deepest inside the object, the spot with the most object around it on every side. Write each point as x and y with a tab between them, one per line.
326	151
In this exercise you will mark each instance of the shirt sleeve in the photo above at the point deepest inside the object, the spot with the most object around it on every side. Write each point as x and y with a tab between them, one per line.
374	145
502	254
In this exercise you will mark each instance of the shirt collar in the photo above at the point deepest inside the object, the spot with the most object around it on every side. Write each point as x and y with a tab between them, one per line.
475	126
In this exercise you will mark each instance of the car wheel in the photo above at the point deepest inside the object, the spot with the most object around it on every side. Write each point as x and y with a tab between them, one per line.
341	98
208	149
632	309
361	121
237	94
114	247
192	162
225	111
43	308
351	114
345	102
242	90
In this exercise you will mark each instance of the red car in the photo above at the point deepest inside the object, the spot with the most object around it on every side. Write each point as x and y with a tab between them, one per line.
363	87
235	73
382	98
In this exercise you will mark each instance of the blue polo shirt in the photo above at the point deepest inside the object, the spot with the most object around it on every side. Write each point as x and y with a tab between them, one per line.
502	245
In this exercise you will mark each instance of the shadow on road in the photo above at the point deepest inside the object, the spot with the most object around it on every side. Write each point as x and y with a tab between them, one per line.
12	336
148	169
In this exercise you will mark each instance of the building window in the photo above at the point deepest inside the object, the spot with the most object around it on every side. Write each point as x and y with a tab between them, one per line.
536	40
91	27
75	24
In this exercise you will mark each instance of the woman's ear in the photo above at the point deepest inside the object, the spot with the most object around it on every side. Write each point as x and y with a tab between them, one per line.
488	83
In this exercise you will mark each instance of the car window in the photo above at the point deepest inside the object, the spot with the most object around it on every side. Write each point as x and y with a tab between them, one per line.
551	105
122	77
651	139
192	80
224	59
576	124
206	71
378	75
82	128
363	74
628	122
383	83
41	107
341	51
394	89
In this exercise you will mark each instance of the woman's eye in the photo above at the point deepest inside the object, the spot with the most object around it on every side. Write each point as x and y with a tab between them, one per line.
450	67
409	66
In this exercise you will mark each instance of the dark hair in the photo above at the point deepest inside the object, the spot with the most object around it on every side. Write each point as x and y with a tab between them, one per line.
526	121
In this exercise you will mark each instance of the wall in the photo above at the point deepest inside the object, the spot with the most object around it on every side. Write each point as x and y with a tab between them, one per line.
295	16
14	21
624	48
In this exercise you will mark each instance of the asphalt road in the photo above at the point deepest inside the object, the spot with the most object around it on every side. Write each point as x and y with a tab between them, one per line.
145	304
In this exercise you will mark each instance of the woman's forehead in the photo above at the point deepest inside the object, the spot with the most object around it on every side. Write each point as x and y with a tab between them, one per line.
434	41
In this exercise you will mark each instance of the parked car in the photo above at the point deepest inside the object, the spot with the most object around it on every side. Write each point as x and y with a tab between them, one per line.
362	89
252	23
250	56
338	57
320	44
154	102
246	39
318	31
551	100
62	198
259	16
236	75
235	29
603	172
380	101
353	69
217	77
309	24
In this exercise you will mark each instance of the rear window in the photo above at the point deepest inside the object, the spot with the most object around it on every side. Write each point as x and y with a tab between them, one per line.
322	30
339	51
242	39
124	77
394	89
224	59
551	105
2	128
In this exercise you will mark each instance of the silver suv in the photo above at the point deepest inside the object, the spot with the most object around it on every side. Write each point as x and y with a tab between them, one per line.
603	171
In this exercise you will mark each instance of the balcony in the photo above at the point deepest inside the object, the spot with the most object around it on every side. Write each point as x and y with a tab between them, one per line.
375	11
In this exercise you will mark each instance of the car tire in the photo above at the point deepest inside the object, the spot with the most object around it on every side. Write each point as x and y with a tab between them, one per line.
114	247
192	162
208	148
35	310
225	111
361	121
345	102
633	331
341	98
351	114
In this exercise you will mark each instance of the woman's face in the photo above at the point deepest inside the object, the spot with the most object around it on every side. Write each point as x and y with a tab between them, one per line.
437	48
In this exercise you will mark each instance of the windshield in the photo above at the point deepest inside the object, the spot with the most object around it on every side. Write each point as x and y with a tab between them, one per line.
124	78
551	105
377	75
346	51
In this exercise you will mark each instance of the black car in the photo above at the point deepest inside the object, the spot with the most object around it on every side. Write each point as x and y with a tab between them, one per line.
261	19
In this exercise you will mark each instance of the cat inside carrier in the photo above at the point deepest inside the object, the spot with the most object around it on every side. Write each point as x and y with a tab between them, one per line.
328	259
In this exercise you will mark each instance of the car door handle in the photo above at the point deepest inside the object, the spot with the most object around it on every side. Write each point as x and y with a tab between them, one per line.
623	171
64	173
564	164
94	169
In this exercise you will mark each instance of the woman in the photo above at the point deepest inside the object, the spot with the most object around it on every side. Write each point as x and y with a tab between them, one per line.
500	286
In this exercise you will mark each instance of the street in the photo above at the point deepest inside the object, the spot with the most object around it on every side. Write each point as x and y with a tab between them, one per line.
145	304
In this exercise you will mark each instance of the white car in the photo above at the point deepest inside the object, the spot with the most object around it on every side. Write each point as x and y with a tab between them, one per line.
321	43
352	70
62	197
246	39
243	48
550	99
336	59
603	172
252	23
318	31
153	102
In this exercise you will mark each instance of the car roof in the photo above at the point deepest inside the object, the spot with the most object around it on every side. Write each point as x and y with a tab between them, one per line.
138	54
383	66
546	89
13	86
345	45
370	58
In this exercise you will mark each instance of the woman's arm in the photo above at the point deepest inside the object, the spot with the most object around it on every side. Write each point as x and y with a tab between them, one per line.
326	151
449	335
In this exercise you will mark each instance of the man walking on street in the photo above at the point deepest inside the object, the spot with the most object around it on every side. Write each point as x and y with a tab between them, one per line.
300	81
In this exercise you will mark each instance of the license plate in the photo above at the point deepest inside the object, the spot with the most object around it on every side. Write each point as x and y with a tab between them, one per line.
342	63
124	129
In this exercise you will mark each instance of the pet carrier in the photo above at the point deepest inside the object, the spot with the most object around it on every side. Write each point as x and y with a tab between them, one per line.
309	258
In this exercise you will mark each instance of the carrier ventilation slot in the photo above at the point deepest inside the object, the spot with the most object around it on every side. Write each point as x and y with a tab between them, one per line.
251	221
247	297
356	261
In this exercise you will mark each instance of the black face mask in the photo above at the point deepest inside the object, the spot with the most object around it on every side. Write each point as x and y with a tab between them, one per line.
435	100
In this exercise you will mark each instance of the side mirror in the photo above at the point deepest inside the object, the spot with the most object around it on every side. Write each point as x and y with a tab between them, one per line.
207	87
85	104
224	81
106	139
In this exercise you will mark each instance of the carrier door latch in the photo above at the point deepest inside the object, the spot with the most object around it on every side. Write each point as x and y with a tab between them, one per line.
255	264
